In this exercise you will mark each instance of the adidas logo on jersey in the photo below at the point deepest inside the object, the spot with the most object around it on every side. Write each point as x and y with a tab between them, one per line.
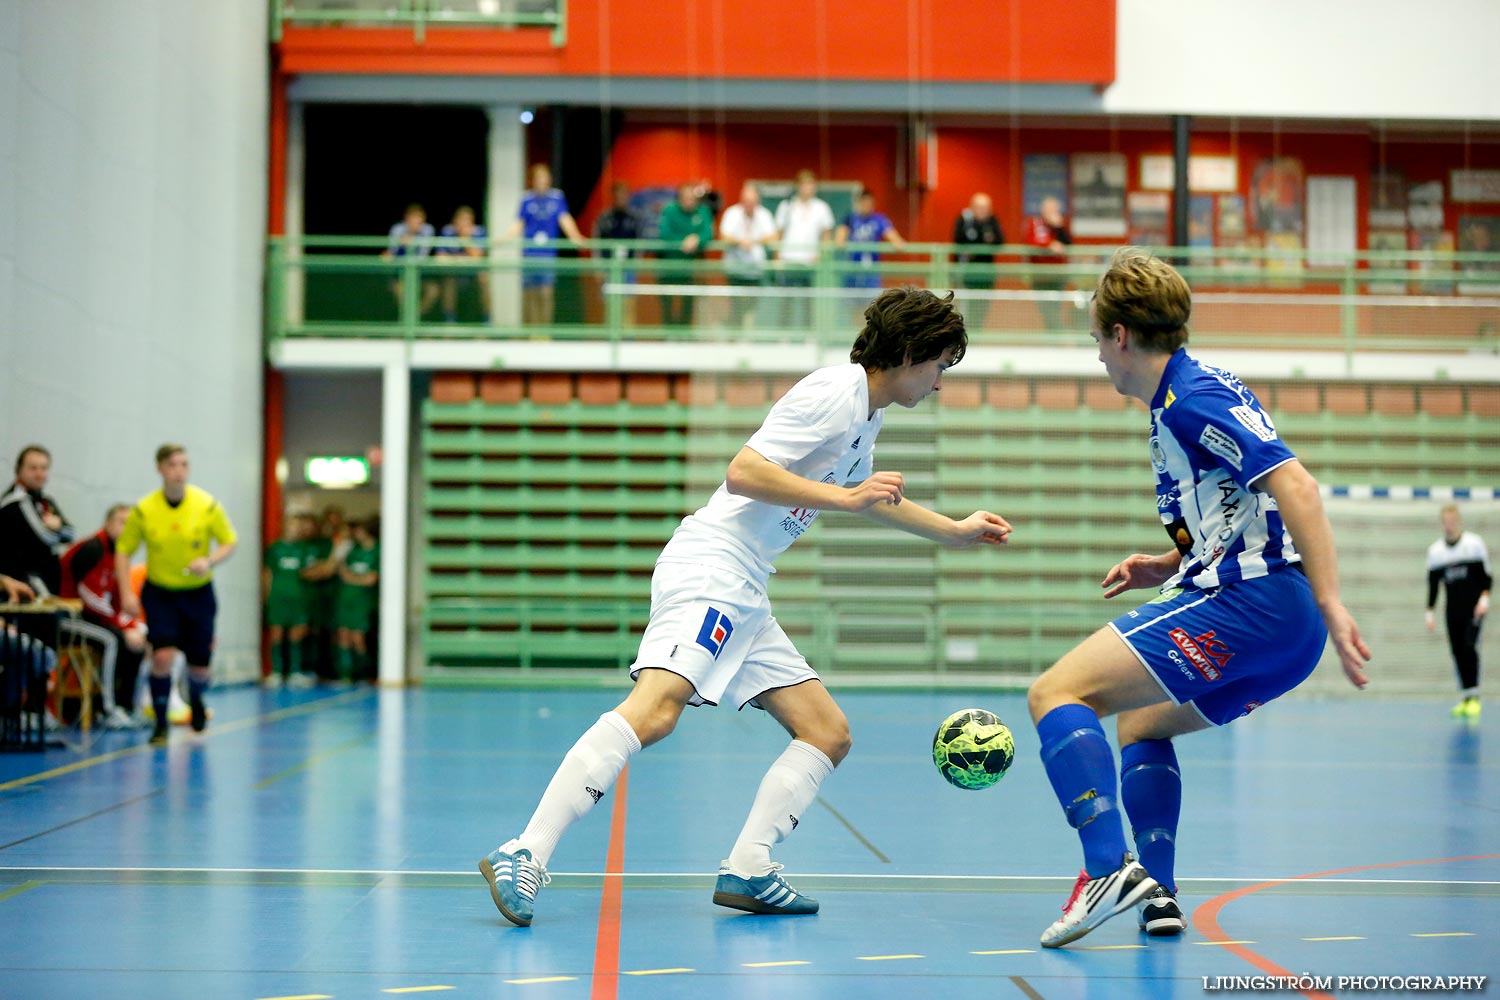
594	793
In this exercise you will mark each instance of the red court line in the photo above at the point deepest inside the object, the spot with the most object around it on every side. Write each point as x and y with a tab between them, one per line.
607	941
1206	917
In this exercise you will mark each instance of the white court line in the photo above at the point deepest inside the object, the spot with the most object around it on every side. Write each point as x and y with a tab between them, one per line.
704	875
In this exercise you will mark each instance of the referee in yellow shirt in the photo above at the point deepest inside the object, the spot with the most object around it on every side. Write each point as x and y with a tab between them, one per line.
179	524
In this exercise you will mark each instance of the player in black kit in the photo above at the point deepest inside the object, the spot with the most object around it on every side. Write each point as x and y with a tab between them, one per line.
1460	562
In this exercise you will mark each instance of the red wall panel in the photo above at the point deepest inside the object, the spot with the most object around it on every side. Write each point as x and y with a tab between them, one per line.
1033	41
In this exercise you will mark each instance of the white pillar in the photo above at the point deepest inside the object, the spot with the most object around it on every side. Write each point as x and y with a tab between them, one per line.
395	428
294	211
507	180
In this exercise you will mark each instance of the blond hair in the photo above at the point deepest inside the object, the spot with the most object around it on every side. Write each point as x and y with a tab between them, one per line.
1146	296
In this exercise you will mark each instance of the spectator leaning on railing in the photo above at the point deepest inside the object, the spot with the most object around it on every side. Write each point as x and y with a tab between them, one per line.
747	227
977	226
464	240
412	237
688	226
1049	232
804	221
542	217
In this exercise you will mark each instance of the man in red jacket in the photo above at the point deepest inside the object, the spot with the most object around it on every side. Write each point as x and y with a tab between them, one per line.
88	573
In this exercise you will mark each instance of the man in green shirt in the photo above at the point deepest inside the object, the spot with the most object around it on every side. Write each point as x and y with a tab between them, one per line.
359	575
689	227
286	601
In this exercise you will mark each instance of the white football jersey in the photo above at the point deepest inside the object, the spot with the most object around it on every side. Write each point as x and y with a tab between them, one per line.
821	430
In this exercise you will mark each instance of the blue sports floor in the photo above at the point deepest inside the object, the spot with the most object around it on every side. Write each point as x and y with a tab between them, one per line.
324	845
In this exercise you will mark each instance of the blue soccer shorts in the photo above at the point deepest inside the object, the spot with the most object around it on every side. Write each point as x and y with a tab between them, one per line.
1231	649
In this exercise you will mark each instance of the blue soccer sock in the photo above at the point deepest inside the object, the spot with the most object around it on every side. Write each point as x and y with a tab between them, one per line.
161	693
1151	791
196	688
1081	765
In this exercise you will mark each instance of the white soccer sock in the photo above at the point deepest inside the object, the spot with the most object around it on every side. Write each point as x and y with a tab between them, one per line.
786	791
585	774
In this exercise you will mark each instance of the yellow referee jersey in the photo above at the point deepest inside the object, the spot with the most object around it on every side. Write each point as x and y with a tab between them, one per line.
175	536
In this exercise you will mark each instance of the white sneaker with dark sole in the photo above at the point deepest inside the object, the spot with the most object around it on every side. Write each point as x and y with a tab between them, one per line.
1160	916
1095	900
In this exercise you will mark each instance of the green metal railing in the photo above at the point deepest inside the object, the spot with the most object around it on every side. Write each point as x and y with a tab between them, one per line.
342	287
420	15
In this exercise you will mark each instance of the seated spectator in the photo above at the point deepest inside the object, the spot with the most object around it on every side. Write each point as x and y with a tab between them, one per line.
804	222
542	217
464	239
412	237
88	573
977	226
688	226
359	576
32	532
16	591
747	227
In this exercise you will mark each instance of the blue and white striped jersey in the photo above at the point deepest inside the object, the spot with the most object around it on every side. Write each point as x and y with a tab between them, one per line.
1210	440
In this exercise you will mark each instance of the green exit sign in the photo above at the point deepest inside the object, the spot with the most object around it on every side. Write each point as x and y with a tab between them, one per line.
337	472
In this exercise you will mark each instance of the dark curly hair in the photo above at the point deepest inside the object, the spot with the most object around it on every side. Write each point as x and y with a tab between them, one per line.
909	325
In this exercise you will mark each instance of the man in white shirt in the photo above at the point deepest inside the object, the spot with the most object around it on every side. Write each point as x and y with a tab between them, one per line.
804	221
711	636
747	227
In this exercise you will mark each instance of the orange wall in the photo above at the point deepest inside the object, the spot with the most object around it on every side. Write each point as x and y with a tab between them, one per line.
975	158
1030	41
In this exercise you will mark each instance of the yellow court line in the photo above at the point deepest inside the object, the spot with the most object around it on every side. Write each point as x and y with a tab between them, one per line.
254	720
542	979
1110	947
770	965
14	891
1216	944
654	972
417	989
1444	934
885	958
1334	939
1007	951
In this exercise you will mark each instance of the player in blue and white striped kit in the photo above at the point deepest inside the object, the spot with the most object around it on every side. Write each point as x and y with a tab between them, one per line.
1249	596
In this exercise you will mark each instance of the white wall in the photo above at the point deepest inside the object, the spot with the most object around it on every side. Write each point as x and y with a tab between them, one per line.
1308	58
132	222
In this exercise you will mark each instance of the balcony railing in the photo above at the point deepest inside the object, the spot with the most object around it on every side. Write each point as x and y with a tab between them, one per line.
341	287
419	15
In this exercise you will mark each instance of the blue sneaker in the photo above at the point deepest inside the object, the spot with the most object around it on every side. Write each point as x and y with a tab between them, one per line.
766	894
514	882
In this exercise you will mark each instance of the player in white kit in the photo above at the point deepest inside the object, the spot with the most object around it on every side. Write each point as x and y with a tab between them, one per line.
711	637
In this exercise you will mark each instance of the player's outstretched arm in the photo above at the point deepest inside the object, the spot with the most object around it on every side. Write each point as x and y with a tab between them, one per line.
1138	571
1301	507
979	528
753	475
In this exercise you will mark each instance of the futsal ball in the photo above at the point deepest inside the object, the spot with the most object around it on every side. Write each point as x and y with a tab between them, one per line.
973	749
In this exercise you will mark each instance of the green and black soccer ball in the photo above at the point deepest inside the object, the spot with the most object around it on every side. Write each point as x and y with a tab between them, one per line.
973	749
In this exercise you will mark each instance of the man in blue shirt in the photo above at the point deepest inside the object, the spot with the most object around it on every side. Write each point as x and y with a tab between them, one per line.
1249	596
464	240
542	217
865	225
412	237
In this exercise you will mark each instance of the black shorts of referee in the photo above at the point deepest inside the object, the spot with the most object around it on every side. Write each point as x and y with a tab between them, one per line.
181	619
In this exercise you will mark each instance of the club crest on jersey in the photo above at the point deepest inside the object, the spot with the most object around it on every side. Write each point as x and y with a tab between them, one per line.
1158	456
715	631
